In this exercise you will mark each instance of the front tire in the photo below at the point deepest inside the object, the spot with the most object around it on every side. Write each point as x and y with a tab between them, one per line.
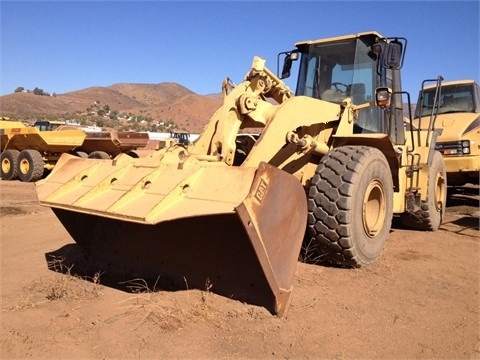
9	160
350	206
30	165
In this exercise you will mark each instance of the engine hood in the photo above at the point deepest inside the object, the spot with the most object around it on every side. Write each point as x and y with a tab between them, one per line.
454	126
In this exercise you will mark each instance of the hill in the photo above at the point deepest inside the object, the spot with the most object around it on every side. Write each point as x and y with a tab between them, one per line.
158	103
121	105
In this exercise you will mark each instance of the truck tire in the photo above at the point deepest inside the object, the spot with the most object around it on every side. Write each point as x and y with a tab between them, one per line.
30	165
350	206
81	154
99	155
9	159
133	154
430	214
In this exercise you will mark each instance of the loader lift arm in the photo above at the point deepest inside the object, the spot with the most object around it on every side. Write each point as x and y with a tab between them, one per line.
244	106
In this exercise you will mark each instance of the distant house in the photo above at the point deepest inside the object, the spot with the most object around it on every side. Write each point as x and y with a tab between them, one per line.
91	128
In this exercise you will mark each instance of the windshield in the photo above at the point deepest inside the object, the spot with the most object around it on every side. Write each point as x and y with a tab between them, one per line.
334	71
453	99
46	125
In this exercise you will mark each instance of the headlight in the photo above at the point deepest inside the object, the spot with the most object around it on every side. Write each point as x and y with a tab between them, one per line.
383	96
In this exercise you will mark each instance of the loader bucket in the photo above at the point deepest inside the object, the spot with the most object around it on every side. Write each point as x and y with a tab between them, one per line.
234	231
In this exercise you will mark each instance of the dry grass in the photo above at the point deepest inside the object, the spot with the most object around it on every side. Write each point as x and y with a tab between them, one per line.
150	307
12	211
147	307
61	287
308	252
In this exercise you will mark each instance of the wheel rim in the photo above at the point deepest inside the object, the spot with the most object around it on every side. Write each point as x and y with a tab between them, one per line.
374	208
24	166
440	190
6	165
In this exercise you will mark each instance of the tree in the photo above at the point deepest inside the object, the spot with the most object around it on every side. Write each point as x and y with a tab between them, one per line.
19	89
38	91
113	114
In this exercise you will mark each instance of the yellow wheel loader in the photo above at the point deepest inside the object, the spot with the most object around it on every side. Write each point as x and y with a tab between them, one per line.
229	212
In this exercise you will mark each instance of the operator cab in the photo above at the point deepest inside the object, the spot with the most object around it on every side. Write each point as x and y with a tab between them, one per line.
455	97
352	67
183	137
48	125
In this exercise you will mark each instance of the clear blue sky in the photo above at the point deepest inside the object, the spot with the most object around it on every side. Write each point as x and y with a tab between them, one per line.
62	46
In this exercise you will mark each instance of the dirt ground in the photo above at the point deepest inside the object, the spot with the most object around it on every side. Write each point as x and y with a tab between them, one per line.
419	301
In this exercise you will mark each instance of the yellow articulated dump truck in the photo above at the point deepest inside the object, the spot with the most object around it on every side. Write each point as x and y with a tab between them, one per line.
26	152
328	166
459	117
100	144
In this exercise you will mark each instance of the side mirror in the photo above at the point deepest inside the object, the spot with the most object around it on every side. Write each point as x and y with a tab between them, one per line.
287	63
394	54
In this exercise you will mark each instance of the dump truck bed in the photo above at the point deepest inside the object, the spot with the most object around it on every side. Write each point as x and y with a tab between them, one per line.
19	137
113	142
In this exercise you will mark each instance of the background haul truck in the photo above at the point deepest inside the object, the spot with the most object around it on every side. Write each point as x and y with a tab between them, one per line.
29	152
459	117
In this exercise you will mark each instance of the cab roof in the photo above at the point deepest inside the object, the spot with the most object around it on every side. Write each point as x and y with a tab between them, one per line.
454	82
337	38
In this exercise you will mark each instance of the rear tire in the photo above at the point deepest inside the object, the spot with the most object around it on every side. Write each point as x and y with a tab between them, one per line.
81	154
430	214
30	165
9	160
99	155
350	206
133	154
